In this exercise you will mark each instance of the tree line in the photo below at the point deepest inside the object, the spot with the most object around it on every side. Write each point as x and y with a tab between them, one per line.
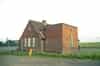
9	43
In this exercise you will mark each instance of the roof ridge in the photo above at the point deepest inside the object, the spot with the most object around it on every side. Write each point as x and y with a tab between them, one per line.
34	21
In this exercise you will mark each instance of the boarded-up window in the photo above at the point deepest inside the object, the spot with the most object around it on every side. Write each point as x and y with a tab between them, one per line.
25	42
33	42
29	42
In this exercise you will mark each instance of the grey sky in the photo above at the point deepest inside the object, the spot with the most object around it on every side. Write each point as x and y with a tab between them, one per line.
85	14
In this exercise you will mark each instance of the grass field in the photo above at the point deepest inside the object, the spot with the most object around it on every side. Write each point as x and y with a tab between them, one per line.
88	50
90	44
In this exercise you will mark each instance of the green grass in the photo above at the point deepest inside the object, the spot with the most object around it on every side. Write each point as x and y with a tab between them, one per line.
78	55
4	53
82	54
90	44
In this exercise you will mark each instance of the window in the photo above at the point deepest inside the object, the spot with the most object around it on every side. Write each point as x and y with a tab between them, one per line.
29	42
25	42
33	42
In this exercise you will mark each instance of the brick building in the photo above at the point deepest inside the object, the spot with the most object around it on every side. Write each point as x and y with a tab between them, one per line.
58	37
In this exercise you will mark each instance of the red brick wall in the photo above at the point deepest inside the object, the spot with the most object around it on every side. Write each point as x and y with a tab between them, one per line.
67	35
54	39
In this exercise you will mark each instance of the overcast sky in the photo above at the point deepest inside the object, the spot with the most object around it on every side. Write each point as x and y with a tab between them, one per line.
85	14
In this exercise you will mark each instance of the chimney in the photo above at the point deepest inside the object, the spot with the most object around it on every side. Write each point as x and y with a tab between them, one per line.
44	22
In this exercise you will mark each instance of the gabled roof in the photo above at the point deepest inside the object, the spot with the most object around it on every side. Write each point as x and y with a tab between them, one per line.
36	25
